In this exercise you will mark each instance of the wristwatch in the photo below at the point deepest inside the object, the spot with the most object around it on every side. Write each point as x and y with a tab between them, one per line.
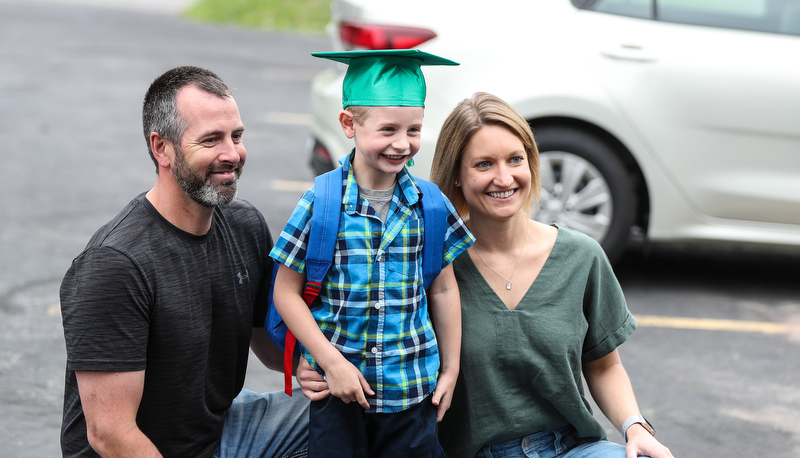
634	420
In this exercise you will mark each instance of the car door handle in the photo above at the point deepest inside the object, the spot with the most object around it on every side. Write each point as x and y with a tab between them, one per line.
628	52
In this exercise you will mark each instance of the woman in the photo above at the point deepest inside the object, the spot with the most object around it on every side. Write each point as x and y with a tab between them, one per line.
540	306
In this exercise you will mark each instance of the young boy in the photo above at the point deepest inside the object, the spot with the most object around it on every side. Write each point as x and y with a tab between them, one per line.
384	361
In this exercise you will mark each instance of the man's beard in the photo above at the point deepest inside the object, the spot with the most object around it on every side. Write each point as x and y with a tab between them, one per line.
200	188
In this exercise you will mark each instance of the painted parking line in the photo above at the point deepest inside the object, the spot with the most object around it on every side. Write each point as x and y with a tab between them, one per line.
286	118
291	186
708	324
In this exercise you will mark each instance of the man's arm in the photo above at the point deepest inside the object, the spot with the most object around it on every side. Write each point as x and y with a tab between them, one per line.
269	355
444	303
110	402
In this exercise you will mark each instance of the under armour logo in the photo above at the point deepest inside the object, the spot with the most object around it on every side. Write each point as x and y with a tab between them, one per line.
246	276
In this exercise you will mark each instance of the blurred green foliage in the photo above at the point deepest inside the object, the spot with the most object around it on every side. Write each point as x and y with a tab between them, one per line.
300	16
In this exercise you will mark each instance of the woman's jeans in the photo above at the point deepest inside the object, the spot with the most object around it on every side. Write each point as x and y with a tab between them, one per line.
551	444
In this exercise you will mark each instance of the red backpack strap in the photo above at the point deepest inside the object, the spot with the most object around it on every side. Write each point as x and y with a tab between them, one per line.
309	295
288	362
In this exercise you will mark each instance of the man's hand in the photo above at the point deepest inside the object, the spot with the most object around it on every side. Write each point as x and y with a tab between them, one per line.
311	382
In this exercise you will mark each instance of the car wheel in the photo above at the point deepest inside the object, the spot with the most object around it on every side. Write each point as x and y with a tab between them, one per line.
585	186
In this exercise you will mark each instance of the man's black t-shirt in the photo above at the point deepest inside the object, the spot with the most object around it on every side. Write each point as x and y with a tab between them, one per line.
145	295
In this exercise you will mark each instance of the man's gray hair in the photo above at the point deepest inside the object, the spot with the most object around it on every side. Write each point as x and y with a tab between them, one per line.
160	111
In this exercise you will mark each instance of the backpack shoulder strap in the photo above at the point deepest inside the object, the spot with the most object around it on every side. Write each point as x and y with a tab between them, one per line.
320	249
324	224
434	215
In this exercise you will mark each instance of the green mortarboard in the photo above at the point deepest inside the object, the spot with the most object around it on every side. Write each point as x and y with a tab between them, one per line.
384	78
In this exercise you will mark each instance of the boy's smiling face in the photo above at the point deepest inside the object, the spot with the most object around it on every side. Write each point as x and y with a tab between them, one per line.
387	139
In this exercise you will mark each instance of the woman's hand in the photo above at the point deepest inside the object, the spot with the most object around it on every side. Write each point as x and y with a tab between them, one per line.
642	443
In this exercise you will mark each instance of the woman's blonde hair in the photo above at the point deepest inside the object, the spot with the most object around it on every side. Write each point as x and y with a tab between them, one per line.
468	117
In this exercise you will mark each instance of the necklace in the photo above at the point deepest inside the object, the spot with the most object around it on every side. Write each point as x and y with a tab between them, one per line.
508	280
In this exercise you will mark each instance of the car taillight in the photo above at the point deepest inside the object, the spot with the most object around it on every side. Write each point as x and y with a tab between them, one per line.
373	36
321	152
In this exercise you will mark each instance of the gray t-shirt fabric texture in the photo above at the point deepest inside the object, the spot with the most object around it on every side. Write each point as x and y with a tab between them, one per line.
145	295
380	200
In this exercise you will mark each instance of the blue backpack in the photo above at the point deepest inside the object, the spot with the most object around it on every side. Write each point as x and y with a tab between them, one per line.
322	243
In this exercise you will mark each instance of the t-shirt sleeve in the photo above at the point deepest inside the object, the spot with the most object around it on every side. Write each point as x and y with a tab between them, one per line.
105	306
458	237
610	321
290	247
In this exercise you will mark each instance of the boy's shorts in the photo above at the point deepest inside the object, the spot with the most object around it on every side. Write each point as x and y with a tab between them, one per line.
344	430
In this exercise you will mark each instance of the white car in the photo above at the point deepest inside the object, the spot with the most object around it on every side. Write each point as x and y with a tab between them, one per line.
670	120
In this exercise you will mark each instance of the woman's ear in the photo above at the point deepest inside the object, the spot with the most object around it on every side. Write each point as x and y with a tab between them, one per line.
347	122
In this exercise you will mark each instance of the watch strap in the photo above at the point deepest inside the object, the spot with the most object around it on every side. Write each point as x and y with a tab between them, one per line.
636	419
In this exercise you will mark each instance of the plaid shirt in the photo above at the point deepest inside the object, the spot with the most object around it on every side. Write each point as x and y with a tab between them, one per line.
374	308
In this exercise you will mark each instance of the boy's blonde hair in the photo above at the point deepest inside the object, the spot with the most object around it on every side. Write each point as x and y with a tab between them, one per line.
360	113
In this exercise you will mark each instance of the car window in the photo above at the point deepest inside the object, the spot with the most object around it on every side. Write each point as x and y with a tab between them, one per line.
777	16
634	8
774	16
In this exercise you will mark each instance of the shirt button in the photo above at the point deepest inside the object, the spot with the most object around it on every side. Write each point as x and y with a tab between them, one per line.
380	258
374	350
377	306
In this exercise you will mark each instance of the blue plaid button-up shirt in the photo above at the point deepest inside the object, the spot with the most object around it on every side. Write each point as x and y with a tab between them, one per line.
374	308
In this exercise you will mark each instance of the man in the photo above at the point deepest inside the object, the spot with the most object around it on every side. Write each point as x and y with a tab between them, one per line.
161	306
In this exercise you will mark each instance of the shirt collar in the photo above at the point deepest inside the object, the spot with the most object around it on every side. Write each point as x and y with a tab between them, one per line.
408	185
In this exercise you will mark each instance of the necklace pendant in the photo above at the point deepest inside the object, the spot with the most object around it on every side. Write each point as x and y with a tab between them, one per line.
508	285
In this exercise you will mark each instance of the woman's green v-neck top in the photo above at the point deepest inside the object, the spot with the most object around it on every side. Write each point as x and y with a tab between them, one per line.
521	368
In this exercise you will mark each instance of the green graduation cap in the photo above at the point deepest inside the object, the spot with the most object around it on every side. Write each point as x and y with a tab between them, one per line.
384	78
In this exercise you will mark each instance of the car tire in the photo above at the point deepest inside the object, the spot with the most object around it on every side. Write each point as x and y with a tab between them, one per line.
585	186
